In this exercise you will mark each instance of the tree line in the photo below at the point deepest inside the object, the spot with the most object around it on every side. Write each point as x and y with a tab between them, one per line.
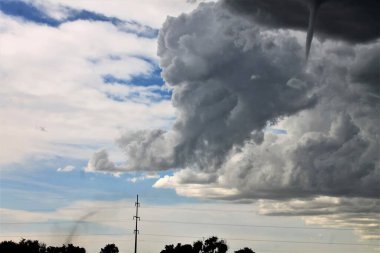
29	246
210	245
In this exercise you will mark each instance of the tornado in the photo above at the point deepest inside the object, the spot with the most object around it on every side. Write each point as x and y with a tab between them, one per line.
75	227
314	7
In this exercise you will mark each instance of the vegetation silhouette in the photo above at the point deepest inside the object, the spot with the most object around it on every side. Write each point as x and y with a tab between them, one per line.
210	245
29	246
245	250
110	248
65	249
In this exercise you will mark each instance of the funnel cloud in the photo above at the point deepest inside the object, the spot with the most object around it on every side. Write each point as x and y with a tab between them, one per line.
76	226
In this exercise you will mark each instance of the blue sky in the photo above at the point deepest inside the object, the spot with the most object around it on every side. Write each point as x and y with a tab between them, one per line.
31	13
34	176
58	189
78	75
49	174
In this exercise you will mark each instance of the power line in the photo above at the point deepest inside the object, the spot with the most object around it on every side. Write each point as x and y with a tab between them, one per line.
145	207
201	209
265	240
200	237
77	208
186	223
60	235
242	225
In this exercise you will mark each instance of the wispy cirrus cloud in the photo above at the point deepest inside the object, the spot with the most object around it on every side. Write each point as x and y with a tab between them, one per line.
32	11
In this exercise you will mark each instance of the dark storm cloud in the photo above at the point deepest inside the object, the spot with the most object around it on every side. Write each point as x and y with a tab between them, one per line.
350	20
233	77
366	69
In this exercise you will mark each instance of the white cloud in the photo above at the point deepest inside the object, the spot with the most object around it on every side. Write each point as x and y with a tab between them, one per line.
149	12
53	99
67	168
331	212
195	190
143	177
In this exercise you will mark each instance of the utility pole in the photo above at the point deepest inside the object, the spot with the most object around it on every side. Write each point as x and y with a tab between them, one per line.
137	218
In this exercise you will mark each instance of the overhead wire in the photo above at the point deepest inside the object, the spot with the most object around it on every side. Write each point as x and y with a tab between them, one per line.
200	238
176	222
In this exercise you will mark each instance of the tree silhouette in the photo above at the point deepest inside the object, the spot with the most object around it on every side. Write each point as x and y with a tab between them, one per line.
29	246
197	246
186	248
214	245
211	245
168	249
8	247
66	249
74	249
110	248
245	250
24	246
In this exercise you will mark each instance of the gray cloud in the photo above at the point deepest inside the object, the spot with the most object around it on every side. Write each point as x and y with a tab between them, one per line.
341	161
219	104
231	78
361	215
325	163
147	150
210	70
366	69
100	162
332	149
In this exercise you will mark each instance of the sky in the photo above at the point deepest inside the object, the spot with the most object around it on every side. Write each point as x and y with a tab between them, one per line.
250	120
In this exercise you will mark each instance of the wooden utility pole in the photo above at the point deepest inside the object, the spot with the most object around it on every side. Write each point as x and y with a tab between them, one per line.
137	218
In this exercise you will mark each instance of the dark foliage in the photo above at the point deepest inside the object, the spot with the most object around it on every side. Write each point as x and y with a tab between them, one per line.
66	249
29	246
8	247
110	248
245	250
211	245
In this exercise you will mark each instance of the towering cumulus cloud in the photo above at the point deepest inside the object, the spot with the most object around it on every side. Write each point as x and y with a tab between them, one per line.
230	78
253	122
